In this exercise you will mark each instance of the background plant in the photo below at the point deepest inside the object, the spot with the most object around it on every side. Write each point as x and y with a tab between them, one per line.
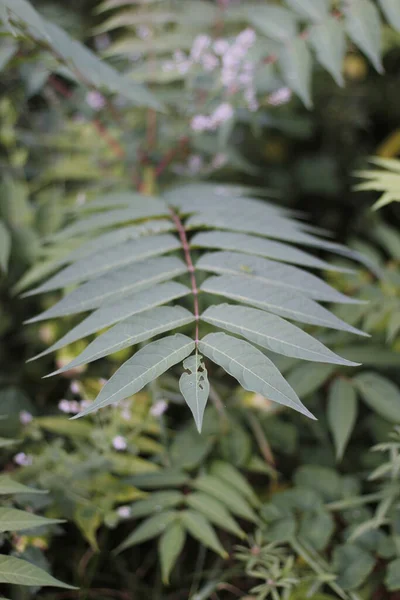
282	146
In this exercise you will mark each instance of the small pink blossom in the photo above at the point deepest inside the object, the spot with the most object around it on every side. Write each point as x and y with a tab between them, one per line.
246	38
74	387
200	44
124	512
220	46
23	460
281	96
200	123
159	408
95	100
25	417
222	113
119	443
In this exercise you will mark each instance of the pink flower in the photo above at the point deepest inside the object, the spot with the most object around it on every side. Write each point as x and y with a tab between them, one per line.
222	113
23	460
201	43
119	443
158	408
201	123
95	100
220	46
281	96
25	417
124	512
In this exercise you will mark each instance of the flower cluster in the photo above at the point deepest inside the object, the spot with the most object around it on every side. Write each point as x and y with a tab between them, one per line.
235	73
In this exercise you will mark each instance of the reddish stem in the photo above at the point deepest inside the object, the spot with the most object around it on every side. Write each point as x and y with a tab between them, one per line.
188	259
168	158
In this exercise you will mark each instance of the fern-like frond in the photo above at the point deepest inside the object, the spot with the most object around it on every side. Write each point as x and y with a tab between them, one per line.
125	275
386	180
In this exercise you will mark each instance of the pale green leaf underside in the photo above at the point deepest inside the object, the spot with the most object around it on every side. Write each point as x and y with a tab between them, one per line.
252	369
12	519
316	10
20	572
227	495
364	28
271	332
391	10
119	311
134	330
329	42
194	387
248	244
150	528
215	512
118	236
282	302
110	287
380	394
113	258
296	65
272	273
145	366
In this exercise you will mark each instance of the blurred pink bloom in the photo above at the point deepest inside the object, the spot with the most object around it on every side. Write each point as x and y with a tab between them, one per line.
281	96
222	113
23	460
200	44
159	408
95	100
220	46
25	417
124	512
119	443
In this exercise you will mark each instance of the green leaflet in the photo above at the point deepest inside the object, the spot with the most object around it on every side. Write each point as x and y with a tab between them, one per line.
296	65
380	394
199	527
20	572
137	329
147	364
252	369
306	379
170	546
117	200
89	67
273	21
316	10
12	519
329	42
113	258
226	494
119	236
342	413
240	242
233	477
126	308
149	529
391	11
392	579
161	479
283	302
363	25
194	387
156	502
272	273
112	286
271	332
5	247
107	219
352	564
215	512
8	486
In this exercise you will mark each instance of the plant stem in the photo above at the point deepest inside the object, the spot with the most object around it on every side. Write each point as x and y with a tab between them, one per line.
188	259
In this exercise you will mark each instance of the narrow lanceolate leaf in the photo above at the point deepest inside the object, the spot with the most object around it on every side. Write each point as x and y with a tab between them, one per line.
137	329
170	546
225	493
147	364
112	286
252	369
157	502
12	519
329	42
282	302
240	242
194	387
110	218
114	201
201	529
272	273
149	529
8	486
215	512
271	332
380	394
20	572
119	236
275	22
234	478
113	258
363	25
316	10
296	65
126	308
5	247
391	11
342	414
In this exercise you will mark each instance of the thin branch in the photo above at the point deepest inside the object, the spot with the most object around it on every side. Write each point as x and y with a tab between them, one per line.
188	259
